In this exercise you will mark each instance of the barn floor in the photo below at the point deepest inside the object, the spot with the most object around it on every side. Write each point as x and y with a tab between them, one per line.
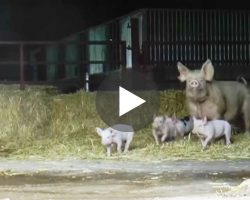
104	179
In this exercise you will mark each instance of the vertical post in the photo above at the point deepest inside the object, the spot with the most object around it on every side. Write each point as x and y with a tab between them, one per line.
135	42
81	70
123	57
22	85
87	82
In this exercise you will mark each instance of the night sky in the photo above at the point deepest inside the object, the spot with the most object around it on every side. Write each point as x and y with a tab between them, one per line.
55	19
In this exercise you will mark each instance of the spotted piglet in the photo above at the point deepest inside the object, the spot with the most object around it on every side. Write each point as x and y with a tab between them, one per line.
166	128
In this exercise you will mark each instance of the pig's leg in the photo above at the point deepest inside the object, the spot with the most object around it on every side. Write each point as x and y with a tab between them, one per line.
155	136
228	142
119	146
129	140
202	141
228	136
246	112
109	148
165	134
206	141
164	137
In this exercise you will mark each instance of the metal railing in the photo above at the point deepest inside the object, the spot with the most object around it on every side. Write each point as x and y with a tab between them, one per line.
192	36
115	58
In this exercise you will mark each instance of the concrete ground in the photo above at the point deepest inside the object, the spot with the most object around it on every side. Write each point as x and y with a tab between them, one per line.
107	179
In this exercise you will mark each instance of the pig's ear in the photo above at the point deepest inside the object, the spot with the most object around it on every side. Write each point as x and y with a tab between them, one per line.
194	118
173	118
183	70
164	117
112	132
99	131
208	70
204	120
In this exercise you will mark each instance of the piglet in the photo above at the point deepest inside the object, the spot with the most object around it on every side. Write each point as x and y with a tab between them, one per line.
183	126
163	128
208	130
168	128
117	134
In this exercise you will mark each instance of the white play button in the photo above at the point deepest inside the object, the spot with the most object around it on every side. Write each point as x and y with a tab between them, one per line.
128	101
127	97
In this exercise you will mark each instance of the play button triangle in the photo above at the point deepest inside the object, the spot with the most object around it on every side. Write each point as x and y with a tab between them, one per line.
128	101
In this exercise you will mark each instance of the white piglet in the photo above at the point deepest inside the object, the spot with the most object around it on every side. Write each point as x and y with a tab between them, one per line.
208	130
118	134
163	128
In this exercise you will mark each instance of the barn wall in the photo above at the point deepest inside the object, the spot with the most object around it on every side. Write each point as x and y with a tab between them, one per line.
97	52
72	57
192	36
165	36
52	57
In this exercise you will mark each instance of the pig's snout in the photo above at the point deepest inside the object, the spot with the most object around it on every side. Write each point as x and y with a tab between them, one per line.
194	84
107	141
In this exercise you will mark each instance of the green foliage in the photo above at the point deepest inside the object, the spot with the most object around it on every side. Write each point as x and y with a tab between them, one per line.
40	122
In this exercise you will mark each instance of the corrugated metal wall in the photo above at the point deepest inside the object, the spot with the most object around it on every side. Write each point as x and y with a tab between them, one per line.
72	55
192	36
97	52
164	38
52	58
